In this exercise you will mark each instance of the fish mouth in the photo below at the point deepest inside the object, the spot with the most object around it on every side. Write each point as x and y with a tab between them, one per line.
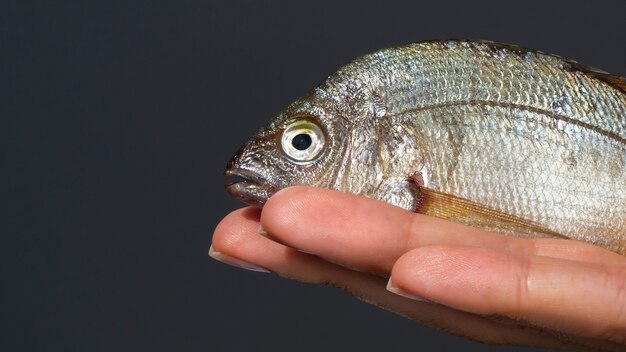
250	187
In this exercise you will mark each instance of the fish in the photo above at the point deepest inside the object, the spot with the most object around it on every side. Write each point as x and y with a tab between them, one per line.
490	135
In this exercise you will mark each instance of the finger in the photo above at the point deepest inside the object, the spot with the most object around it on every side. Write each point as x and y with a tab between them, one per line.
237	237
370	235
573	297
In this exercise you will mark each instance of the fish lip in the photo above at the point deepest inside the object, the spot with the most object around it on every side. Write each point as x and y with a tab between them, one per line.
252	189
248	176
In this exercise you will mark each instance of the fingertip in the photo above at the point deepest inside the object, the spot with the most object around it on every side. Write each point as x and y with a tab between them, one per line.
285	203
420	267
438	273
299	208
281	210
235	228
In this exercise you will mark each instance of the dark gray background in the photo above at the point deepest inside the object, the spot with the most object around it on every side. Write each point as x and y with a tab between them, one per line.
117	119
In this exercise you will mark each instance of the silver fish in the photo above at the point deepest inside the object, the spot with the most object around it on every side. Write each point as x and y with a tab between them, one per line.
485	134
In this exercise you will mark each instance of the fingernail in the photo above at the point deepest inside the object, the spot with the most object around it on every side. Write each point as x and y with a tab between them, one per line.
393	289
262	232
234	261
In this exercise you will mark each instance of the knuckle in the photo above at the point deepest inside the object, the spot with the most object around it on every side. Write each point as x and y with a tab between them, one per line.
524	278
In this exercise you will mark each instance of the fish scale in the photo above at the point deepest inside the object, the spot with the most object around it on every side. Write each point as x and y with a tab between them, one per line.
507	171
485	134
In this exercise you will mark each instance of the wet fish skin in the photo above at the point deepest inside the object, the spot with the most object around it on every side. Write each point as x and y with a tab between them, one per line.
485	134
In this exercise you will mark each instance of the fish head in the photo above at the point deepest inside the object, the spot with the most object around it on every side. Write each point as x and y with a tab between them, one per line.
301	146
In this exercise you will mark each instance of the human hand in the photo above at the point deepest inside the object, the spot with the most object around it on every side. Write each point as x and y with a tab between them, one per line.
497	289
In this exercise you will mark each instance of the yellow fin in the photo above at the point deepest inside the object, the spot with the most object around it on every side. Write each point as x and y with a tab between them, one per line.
466	212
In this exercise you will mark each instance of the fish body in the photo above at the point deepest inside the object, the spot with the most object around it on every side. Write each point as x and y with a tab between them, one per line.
485	134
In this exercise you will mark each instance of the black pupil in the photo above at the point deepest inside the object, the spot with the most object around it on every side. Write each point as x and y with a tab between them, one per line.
301	141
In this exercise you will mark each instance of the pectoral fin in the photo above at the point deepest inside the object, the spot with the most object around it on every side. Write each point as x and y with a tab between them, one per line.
463	211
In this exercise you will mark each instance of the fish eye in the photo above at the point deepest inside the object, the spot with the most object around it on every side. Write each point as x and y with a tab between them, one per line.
302	141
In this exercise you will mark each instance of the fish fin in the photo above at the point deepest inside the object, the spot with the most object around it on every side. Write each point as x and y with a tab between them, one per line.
615	81
464	211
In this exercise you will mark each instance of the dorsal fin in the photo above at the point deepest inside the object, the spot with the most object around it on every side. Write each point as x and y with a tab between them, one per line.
615	81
